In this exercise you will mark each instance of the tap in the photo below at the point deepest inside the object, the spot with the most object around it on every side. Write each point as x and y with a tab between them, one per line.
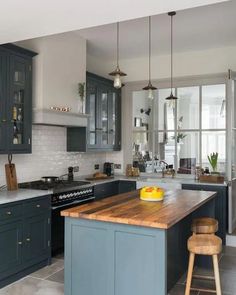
165	170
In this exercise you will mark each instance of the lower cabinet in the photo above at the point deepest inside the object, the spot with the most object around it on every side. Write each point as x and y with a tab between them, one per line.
36	237
221	201
10	247
112	188
25	238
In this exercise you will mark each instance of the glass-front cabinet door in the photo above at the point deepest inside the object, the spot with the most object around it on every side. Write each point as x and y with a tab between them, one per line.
92	110
104	128
3	95
19	104
114	120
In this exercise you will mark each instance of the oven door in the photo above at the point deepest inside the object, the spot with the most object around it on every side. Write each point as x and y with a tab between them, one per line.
58	223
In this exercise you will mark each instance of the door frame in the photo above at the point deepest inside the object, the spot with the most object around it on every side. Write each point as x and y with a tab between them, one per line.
230	123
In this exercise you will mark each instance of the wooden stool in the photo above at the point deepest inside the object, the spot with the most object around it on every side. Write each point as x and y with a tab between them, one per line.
204	244
204	225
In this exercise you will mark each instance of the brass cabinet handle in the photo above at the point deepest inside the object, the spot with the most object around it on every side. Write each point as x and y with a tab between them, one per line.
28	239
8	212
19	243
38	206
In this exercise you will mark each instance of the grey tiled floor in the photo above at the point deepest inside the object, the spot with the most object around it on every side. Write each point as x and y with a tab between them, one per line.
50	280
227	273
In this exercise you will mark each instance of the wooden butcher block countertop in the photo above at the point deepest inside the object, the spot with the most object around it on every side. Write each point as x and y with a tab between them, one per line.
127	208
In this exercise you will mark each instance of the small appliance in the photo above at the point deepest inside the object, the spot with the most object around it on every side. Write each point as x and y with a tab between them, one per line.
108	169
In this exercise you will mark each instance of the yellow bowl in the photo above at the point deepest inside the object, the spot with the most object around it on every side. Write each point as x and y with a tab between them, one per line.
152	193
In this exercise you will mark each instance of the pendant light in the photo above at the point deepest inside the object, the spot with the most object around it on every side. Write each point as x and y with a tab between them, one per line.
117	73
171	97
150	88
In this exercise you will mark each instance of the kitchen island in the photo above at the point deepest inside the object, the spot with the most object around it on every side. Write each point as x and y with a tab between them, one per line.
122	245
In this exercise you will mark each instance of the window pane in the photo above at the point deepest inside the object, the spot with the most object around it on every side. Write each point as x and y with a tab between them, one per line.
213	142
165	147
187	152
213	107
188	108
166	111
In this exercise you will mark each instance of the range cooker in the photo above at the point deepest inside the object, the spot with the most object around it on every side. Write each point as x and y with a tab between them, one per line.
64	194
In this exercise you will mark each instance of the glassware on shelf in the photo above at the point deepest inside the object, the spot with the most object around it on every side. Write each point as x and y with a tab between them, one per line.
19	116
14	113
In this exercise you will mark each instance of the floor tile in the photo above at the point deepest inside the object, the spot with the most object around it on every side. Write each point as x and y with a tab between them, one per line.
59	256
180	289
47	271
57	277
33	286
229	250
228	262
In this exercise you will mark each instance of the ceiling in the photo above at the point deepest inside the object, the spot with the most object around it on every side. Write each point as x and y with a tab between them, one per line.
194	29
27	19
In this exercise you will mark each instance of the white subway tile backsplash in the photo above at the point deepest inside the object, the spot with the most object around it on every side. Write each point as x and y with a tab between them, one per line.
49	156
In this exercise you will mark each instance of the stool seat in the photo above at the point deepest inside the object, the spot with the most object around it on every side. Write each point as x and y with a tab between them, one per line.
204	225
203	244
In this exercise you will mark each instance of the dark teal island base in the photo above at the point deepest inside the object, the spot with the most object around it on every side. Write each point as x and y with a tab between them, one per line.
103	258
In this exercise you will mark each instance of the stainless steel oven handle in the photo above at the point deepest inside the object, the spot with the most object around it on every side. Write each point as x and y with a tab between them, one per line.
72	203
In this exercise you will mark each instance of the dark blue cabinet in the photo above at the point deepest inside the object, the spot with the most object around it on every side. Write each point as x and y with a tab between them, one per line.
103	104
221	201
113	188
25	237
10	248
15	99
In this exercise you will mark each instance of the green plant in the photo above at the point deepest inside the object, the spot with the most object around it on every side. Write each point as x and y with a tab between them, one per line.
213	159
180	137
81	90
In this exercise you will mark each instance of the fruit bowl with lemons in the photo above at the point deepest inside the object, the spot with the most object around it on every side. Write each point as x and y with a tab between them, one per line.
152	193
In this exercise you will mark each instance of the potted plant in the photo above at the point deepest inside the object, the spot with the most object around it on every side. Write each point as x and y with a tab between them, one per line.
81	92
213	159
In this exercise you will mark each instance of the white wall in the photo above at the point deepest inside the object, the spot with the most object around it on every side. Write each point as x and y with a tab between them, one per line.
49	157
57	69
212	61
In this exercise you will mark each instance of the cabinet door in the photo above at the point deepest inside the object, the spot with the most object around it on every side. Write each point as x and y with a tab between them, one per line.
36	237
114	117
19	106
92	109
104	98
3	97
10	248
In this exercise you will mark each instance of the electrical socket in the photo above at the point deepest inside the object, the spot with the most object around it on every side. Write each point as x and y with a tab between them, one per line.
96	166
117	166
76	169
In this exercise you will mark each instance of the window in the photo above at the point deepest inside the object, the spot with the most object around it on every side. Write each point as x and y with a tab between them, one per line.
182	133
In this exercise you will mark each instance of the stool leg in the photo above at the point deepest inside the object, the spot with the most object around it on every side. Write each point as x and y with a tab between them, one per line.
190	273
217	274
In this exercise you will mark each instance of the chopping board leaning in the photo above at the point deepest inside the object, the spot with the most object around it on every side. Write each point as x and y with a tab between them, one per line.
11	178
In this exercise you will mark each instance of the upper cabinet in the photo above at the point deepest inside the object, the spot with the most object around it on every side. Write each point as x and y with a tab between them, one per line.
103	104
15	99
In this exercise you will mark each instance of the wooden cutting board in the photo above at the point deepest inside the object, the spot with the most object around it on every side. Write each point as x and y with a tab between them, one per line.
11	178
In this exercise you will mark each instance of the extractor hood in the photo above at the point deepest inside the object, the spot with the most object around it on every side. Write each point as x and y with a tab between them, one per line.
59	118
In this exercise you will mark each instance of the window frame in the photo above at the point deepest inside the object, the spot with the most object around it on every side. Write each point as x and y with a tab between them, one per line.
155	131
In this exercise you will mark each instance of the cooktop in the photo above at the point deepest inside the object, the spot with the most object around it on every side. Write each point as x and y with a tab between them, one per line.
55	186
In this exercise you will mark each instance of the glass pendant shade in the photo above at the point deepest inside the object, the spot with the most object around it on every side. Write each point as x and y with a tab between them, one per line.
117	73
117	81
150	94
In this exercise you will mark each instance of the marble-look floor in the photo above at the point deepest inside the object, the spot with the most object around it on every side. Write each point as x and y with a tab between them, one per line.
50	280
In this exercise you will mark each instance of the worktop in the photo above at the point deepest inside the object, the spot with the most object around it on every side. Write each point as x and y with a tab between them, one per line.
20	195
127	208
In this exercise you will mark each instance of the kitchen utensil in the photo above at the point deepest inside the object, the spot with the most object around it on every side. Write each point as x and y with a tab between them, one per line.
11	178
